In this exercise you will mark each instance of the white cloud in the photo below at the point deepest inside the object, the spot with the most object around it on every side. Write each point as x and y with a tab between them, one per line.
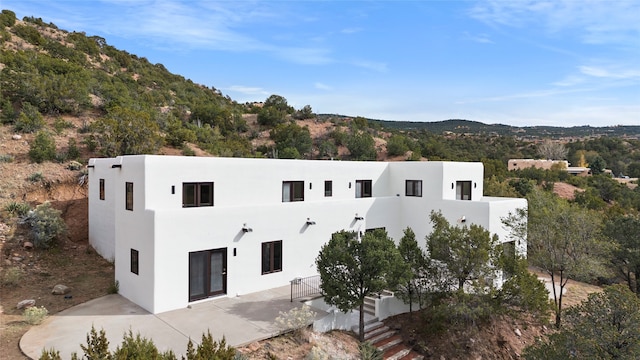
322	86
596	21
479	38
610	73
248	90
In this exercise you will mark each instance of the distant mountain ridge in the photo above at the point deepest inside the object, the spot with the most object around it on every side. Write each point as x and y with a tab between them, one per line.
475	127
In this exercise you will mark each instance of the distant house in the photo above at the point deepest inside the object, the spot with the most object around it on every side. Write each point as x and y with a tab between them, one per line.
187	229
519	164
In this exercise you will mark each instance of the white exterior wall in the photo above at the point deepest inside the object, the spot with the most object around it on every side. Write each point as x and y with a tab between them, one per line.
249	191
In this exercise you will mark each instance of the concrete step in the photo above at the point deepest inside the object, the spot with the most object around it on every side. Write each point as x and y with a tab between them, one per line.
387	293
368	325
374	332
381	336
369	309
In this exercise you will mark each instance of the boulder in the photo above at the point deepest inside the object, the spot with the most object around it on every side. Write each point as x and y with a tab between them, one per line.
16	137
28	245
60	289
25	304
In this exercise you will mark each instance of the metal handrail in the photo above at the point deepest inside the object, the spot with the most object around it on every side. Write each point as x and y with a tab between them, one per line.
305	287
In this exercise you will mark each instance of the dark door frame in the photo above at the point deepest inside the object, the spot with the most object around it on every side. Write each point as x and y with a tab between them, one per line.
207	293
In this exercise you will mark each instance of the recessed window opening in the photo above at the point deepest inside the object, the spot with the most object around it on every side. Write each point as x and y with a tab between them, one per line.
197	194
363	188
413	188
292	191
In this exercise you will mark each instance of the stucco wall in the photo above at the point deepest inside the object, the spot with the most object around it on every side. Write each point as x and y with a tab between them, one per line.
249	191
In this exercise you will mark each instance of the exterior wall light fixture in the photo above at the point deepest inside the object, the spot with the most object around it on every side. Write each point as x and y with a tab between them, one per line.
246	229
310	222
359	217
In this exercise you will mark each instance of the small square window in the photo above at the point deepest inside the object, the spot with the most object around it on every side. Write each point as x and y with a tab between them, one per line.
363	188
292	191
197	194
134	261
101	189
328	188
271	257
129	196
413	188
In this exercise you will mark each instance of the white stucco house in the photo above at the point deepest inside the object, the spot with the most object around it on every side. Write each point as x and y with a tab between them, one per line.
188	229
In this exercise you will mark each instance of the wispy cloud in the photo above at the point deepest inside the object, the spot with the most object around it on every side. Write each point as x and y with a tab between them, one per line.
370	65
595	21
610	73
479	38
350	30
526	95
322	86
248	90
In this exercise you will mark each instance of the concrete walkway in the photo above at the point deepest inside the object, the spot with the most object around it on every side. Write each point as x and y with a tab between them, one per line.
241	320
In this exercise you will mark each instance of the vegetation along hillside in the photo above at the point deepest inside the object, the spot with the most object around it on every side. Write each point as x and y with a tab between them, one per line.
67	96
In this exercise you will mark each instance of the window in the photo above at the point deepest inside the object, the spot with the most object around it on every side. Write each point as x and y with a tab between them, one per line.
134	261
413	188
101	189
197	194
271	257
292	191
463	190
129	196
328	188
363	188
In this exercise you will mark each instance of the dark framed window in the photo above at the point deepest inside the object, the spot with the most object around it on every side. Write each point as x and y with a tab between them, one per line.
271	257
328	188
128	196
363	188
463	190
197	194
135	265
292	191
413	188
101	189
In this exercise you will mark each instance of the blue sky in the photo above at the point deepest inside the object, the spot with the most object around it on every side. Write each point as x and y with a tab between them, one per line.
555	62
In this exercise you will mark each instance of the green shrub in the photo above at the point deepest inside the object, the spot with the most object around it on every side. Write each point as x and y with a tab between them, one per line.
523	289
210	349
73	152
139	348
60	124
187	151
35	315
17	209
29	34
7	18
12	276
97	345
45	224
43	148
369	352
50	354
29	120
35	177
6	158
114	288
317	353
